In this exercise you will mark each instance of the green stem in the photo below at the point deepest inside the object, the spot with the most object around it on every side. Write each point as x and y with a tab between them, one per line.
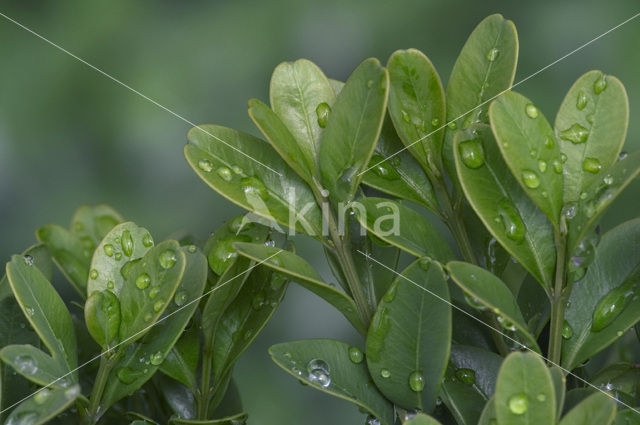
205	383
107	362
558	298
453	218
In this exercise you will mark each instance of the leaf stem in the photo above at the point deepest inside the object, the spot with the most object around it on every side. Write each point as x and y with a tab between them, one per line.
107	362
453	219
558	297
205	382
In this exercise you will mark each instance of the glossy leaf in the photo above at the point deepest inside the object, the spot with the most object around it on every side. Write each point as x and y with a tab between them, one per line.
181	399
299	271
239	419
524	391
353	129
326	365
35	365
599	408
485	68
559	384
504	208
591	126
421	419
627	417
283	198
182	361
417	107
529	148
408	342
488	416
403	227
43	406
44	309
115	257
616	264
102	316
400	175
296	91
489	291
94	222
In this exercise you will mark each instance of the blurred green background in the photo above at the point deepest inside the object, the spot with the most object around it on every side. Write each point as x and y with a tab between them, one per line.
70	136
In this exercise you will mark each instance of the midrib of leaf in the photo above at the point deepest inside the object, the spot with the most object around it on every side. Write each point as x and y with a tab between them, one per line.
184	365
489	66
422	144
314	146
418	344
355	138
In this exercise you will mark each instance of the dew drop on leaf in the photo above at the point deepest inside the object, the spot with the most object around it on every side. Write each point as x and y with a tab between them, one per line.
493	54
147	240
472	153
575	134
511	220
26	364
468	376
435	122
385	373
567	330
143	281
549	142
582	100
518	404
452	125
623	155
258	301
531	110
156	358
167	259
126	241
28	259
611	305
542	165
530	179
225	174
557	166
319	373
372	420
254	188
158	305
416	381
591	165
93	274
541	397
180	298
608	179
153	292
41	396
356	355
108	250
322	112
22	418
205	165
600	85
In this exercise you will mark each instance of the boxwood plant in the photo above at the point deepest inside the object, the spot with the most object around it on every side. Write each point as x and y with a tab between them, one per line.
460	225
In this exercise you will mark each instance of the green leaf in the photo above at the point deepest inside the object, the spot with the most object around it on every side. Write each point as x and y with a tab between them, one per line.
559	385
102	316
149	289
490	292
44	309
524	391
179	398
283	198
598	408
376	275
504	208
296	91
301	272
409	338
421	419
529	148
327	366
488	416
92	223
35	365
352	130
401	175
401	226
606	295
591	126
476	78
70	254
181	362
627	417
116	256
623	379
599	196
130	372
239	419
416	105
43	406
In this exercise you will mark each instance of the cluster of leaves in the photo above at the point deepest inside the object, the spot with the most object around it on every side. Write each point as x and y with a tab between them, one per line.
450	336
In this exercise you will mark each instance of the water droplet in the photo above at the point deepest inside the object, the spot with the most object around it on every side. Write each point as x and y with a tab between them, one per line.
259	301
575	134
30	311
452	125
591	165
156	358
405	116
623	155
192	249
608	179
108	250
511	220
224	173
549	142
518	404
322	112
530	179
385	373
93	274
619	333
41	396
611	305
541	397
26	364
356	355
118	256
506	323
180	298
533	153
416	381
435	122
125	270
158	305
472	153
567	330
253	188
372	420
22	418
147	240
28	259
319	373
563	158
493	54
468	376
126	241
110	284
531	110
205	165
143	281
582	100
383	168
542	165
153	292
600	85
237	169
167	259
557	166
583	195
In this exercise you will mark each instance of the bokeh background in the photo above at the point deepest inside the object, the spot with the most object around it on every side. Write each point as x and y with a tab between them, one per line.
70	136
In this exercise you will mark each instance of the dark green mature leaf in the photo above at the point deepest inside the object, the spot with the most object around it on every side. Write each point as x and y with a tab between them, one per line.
529	148
115	257
409	338
627	417
239	419
301	272
603	304
559	384
485	68
92	223
598	408
35	365
623	379
181	362
524	391
403	227
70	254
44	309
180	398
43	406
421	419
591	126
375	278
504	208
490	292
327	365
296	92
416	105
401	175
488	416
352	130
102	316
283	198
142	359
600	195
